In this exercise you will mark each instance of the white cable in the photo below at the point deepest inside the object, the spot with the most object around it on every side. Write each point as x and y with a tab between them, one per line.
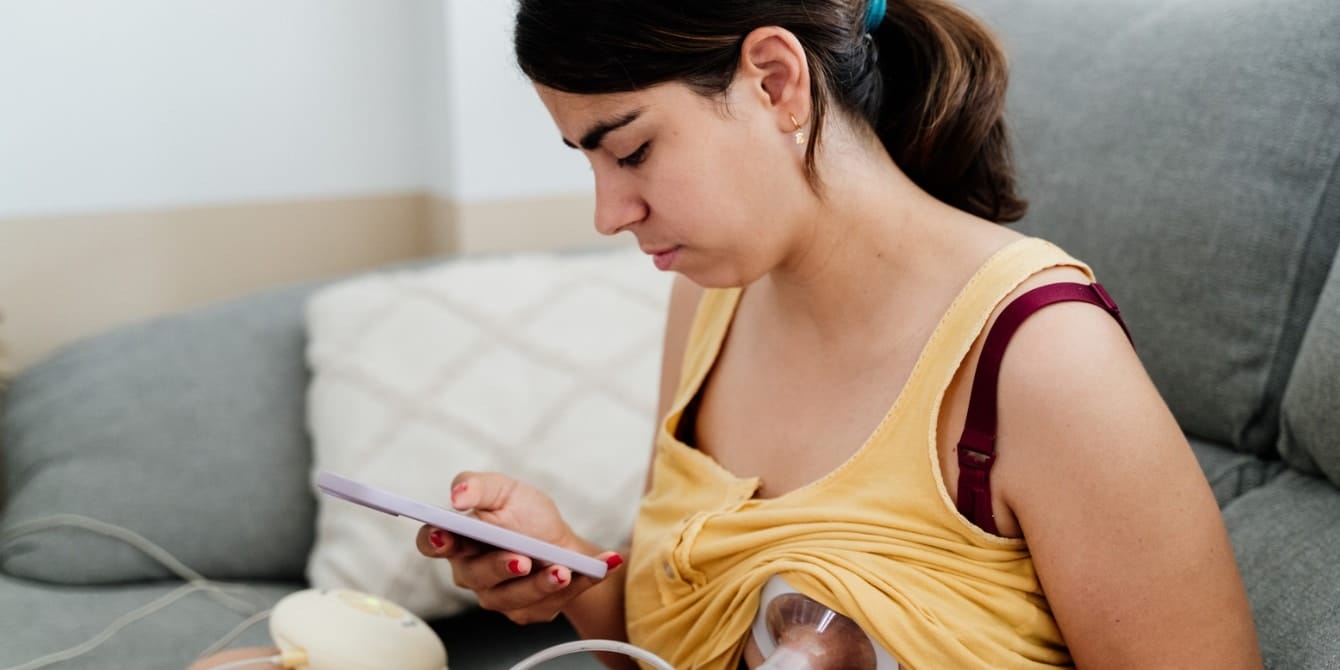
133	539
592	645
87	523
195	582
235	632
107	633
271	660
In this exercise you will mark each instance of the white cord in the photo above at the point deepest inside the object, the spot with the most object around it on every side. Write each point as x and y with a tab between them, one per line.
271	660
593	645
235	632
107	633
195	582
133	539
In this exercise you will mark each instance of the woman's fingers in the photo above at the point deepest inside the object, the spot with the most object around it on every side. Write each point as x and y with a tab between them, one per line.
488	570
536	597
483	491
541	596
437	543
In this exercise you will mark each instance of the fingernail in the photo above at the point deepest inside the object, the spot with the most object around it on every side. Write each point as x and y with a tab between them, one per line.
514	566
557	578
614	561
460	488
435	538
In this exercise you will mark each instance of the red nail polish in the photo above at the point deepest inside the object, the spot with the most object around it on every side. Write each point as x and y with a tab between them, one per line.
557	578
435	538
614	561
514	566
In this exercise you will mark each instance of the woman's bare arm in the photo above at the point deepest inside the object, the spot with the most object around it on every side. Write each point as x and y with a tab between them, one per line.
1125	533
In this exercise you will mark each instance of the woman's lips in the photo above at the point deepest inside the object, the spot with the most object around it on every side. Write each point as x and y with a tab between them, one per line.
665	258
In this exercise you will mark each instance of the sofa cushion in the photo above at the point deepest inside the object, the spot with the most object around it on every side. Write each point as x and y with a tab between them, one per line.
187	430
1185	150
42	619
1286	536
1310	433
1231	473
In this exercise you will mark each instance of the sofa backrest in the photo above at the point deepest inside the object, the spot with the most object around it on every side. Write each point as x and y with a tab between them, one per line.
1188	152
188	430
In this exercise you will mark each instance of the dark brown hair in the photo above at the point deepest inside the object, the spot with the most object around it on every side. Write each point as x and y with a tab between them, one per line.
929	80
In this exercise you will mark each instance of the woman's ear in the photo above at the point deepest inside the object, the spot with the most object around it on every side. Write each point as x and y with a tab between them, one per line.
775	69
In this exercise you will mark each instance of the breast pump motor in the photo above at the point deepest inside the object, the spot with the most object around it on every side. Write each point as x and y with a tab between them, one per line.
338	629
793	632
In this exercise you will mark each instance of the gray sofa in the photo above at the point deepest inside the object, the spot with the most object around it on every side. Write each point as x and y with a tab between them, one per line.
1187	150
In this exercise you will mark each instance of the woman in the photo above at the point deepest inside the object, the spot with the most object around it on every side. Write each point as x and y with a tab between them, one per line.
828	180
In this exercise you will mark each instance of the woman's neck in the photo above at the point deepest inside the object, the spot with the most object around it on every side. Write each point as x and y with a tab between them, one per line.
876	249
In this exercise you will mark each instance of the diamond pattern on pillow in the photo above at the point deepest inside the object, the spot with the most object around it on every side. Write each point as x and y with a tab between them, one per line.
540	366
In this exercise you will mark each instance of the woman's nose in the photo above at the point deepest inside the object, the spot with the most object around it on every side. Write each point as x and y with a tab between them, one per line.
618	204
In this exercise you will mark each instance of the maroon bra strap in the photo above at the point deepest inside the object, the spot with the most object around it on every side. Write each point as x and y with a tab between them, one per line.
977	447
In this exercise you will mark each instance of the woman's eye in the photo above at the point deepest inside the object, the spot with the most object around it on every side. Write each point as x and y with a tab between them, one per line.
634	159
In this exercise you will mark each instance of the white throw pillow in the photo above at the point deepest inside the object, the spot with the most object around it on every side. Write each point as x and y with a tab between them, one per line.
542	366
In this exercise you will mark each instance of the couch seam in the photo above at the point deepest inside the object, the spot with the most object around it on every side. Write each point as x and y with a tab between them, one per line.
1280	370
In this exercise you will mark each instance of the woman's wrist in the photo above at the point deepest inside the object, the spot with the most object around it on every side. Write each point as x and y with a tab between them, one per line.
598	612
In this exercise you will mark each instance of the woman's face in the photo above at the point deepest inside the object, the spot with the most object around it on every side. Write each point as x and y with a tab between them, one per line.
711	188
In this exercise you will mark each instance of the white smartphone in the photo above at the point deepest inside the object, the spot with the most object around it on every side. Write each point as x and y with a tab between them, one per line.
458	523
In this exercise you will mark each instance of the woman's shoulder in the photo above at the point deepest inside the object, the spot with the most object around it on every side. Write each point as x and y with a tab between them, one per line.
1063	343
1071	382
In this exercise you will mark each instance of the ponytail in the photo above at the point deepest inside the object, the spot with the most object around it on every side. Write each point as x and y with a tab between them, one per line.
941	117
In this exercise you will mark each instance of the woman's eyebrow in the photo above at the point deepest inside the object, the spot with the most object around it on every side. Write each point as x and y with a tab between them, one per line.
593	137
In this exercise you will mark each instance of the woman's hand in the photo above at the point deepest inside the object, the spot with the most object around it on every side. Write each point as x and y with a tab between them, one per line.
526	591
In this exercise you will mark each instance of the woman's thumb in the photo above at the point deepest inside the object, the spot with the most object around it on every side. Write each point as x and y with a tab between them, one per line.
483	491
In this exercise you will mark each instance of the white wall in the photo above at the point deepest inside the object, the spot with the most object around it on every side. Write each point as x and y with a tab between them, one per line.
504	145
137	104
157	154
438	169
146	103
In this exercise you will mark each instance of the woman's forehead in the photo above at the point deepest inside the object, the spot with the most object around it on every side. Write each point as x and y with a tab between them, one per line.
598	104
577	114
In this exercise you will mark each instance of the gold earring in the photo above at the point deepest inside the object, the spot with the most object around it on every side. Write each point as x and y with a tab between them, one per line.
800	134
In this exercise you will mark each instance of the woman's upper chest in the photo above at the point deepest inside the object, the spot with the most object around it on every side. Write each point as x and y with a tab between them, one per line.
789	412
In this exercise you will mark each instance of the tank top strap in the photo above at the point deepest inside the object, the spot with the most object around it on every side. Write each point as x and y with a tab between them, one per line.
711	321
977	445
966	317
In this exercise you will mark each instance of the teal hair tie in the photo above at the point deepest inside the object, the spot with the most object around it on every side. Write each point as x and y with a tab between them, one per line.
874	14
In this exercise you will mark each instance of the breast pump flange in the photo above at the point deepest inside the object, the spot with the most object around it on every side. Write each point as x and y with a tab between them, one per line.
793	632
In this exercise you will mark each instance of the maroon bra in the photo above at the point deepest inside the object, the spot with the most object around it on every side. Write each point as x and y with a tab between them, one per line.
977	447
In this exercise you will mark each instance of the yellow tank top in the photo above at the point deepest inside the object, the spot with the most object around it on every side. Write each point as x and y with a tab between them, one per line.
877	539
